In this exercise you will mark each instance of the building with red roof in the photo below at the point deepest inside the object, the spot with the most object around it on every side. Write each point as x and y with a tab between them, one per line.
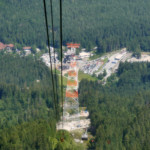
10	45
7	46
73	45
27	48
2	46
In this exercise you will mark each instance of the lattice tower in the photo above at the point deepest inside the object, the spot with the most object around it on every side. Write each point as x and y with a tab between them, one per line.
71	104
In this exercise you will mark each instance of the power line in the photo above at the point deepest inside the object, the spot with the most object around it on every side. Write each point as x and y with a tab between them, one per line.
61	57
46	23
53	42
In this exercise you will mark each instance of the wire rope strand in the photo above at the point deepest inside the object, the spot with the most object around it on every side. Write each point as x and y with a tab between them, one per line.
53	42
46	22
61	59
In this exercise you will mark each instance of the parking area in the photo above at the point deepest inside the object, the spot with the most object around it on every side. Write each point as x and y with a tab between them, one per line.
91	66
109	62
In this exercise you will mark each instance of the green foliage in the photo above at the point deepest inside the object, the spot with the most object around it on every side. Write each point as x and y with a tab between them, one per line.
36	135
34	49
25	90
86	76
109	24
23	71
119	111
101	76
27	114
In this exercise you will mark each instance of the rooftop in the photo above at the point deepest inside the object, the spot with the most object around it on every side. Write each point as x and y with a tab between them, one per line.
73	45
2	46
26	48
10	45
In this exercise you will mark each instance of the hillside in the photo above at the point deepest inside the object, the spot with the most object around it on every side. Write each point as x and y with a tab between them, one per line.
27	114
120	110
25	90
109	24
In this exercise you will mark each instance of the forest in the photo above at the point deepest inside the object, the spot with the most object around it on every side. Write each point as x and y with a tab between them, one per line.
107	24
119	110
28	115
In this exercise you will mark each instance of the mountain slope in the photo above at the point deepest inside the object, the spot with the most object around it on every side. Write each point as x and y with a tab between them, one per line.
109	24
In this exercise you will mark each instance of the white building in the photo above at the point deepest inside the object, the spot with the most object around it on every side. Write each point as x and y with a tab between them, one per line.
46	59
70	51
119	57
85	54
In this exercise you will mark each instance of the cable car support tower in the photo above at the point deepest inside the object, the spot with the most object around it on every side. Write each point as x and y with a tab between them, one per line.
71	114
71	104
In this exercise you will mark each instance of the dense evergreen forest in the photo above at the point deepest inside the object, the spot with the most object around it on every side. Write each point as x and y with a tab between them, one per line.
27	114
109	24
120	110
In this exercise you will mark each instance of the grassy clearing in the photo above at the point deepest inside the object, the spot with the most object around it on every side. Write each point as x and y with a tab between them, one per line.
86	76
95	56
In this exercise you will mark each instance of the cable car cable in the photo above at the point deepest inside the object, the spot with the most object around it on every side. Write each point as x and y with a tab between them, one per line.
48	40
60	3
53	42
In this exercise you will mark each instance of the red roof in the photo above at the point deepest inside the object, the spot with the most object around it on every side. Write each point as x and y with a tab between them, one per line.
2	46
10	45
27	48
73	45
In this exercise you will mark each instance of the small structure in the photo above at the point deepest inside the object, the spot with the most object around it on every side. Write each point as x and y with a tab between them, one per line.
37	50
73	45
119	57
27	50
6	46
9	46
85	136
2	46
72	48
85	54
